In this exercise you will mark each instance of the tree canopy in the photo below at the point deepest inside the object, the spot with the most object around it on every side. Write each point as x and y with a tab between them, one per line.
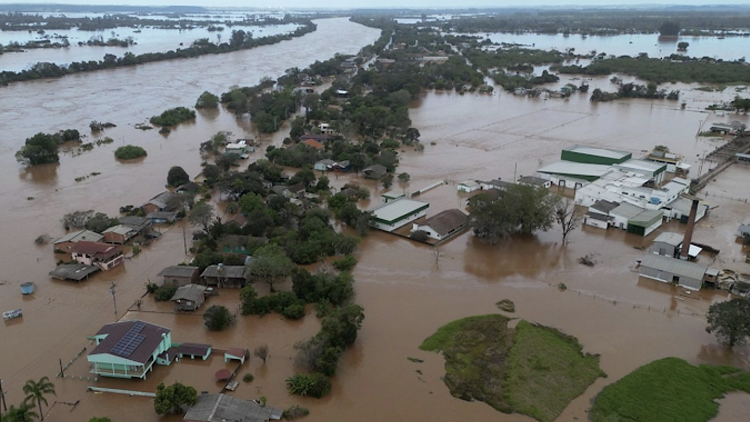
177	176
217	318
271	265
207	100
520	209
39	149
172	399
37	390
730	320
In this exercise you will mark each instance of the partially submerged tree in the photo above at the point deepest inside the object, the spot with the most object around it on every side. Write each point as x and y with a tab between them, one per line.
36	391
172	399
520	209
261	352
271	265
177	176
217	318
730	320
567	217
202	215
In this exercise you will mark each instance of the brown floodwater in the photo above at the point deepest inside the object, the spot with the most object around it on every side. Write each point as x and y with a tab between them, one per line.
407	293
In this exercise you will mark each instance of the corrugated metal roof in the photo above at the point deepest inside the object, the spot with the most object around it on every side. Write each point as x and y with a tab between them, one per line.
394	210
220	407
627	211
674	266
674	239
600	152
576	169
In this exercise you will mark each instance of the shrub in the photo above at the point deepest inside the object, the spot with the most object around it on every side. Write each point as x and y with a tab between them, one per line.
207	100
248	378
313	385
217	318
345	264
129	152
295	412
177	176
151	287
173	117
164	292
294	311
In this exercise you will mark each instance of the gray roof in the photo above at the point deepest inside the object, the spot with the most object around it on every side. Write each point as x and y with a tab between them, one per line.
179	271
133	221
446	221
191	292
161	200
646	217
162	215
674	266
395	210
326	162
500	184
227	271
627	211
595	216
674	239
75	272
80	235
532	180
120	229
376	170
605	206
744	228
220	408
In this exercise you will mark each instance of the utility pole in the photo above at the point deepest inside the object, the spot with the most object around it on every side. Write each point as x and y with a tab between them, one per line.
62	372
515	168
114	299
184	238
2	396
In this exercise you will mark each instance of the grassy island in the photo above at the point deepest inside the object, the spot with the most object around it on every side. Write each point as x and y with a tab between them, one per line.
533	370
669	389
130	152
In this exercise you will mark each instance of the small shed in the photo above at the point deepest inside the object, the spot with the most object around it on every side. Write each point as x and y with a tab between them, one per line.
189	297
597	220
194	350
534	181
233	276
179	275
468	186
492	184
689	275
324	165
667	244
236	353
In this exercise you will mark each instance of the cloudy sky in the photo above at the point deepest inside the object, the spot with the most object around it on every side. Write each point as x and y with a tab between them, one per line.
382	3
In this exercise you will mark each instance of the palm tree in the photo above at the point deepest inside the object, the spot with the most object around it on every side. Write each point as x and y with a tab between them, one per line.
22	413
35	392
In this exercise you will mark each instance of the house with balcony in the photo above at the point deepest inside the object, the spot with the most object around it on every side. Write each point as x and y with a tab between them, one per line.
102	255
128	349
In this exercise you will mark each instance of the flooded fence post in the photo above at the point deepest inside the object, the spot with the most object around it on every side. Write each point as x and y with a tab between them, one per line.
62	372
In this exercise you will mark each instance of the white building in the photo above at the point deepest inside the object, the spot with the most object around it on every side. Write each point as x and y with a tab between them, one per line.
395	214
468	186
443	224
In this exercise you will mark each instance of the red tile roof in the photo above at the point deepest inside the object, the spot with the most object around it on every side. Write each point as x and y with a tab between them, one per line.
96	249
313	143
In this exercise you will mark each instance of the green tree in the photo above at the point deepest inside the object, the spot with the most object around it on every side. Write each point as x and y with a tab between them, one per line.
217	318
39	149
387	180
730	320
22	413
271	265
177	176
202	215
669	29
207	100
36	390
172	399
404	177
683	45
130	152
100	419
520	209
100	222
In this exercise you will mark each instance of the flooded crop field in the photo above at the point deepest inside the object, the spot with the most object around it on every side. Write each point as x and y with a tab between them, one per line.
406	289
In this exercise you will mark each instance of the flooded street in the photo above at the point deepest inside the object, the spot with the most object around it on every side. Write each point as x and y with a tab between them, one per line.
406	292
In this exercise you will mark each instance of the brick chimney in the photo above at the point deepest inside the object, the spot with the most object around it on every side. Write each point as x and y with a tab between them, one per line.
689	231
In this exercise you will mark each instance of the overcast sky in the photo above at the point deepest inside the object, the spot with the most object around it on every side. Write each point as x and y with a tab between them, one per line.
382	3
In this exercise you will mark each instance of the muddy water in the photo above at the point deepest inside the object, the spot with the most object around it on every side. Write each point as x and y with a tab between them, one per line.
407	293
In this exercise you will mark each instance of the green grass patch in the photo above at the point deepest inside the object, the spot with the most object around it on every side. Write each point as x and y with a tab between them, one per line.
532	369
546	371
669	389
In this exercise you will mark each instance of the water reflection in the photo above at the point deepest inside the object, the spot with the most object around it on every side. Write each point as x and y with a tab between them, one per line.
44	174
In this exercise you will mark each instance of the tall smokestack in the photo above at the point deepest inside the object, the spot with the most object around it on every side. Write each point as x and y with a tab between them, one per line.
684	254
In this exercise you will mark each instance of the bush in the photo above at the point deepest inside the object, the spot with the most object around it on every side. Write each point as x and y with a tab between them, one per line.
248	378
164	292
295	412
294	311
345	264
313	385
173	117
217	318
207	100
151	287
129	152
419	236
177	176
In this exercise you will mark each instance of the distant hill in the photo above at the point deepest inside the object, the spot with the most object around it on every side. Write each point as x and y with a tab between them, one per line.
90	8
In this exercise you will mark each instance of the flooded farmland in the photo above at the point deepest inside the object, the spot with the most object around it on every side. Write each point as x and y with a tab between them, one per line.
407	292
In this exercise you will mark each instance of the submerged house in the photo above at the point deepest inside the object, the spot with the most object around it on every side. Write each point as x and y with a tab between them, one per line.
102	255
119	234
375	171
66	243
221	275
223	408
128	349
160	202
395	214
179	275
443	224
189	297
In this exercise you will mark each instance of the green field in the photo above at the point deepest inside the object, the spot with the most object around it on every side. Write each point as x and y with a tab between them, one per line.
533	370
669	389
